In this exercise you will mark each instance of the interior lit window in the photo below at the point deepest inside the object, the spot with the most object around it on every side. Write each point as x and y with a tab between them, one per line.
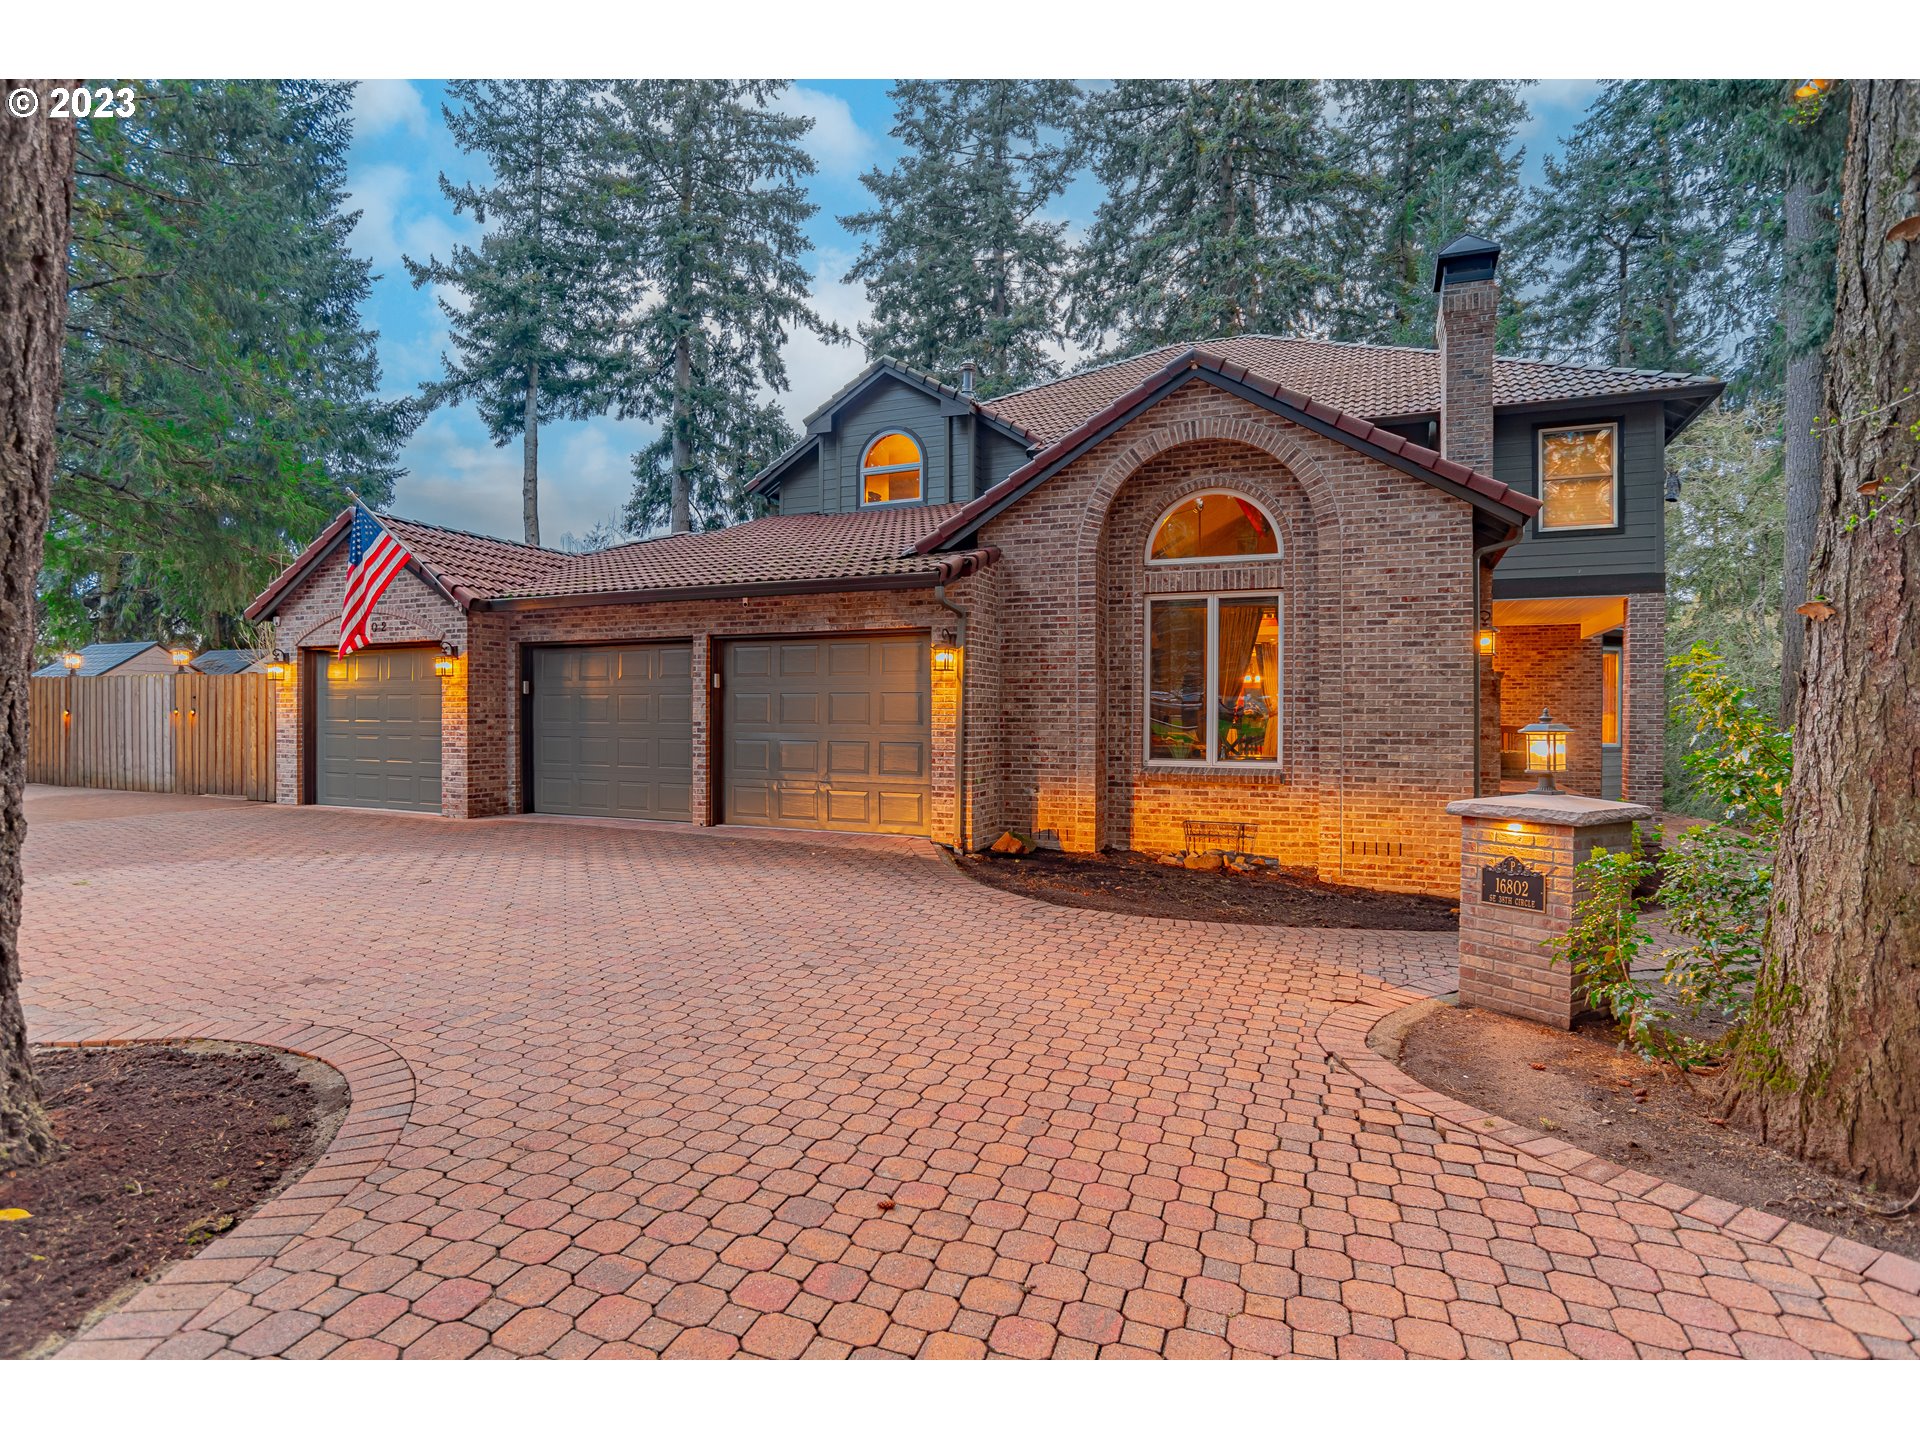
1579	478
1609	696
1213	526
891	470
1213	680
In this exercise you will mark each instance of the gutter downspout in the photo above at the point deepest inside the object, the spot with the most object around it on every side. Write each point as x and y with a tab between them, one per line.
1473	639
960	806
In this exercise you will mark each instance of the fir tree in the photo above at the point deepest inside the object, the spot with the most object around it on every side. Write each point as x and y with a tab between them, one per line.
958	262
1436	159
710	186
530	340
1633	220
1220	196
220	394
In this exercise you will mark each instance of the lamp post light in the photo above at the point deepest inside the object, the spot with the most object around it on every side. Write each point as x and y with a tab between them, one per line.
73	660
1546	742
182	657
1487	641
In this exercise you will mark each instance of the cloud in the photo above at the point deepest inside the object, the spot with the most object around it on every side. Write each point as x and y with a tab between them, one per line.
836	142
382	105
815	368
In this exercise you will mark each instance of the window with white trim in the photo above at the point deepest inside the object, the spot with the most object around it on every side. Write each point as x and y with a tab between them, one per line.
1580	477
890	470
1213	679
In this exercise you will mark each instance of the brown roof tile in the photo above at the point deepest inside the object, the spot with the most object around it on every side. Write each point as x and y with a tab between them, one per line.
1376	382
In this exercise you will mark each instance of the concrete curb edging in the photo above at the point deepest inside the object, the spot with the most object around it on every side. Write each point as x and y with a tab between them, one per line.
1343	1035
380	1087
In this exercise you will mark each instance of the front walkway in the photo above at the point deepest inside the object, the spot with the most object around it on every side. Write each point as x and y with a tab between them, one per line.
641	1091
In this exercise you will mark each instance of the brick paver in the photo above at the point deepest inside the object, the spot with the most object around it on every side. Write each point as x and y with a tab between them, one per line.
639	1090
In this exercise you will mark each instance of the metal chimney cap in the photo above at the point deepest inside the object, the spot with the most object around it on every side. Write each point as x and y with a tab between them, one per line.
966	377
1468	258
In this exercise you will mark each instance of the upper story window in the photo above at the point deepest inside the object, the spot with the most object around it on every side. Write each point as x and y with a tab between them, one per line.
890	472
1214	525
1580	477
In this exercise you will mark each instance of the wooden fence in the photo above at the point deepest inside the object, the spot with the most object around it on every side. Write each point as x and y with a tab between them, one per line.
188	734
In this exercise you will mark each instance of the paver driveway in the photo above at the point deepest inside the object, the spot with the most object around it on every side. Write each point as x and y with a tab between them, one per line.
626	1090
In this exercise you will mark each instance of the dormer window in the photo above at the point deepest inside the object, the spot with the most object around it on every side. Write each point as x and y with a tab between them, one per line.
1216	525
1580	477
890	473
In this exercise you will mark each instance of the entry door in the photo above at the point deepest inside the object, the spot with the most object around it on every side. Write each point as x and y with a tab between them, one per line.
828	733
613	731
377	730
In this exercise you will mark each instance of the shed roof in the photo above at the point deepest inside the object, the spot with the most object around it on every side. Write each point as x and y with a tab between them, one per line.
102	657
225	662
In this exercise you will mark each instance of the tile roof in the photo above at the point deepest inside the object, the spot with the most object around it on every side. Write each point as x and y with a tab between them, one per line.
1378	382
1169	374
101	656
865	546
865	549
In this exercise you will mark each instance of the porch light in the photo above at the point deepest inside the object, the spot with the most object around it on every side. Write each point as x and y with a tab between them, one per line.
945	657
73	660
1487	641
278	667
182	657
1546	742
443	665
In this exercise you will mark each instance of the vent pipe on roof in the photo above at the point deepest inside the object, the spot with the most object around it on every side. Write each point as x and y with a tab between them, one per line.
966	378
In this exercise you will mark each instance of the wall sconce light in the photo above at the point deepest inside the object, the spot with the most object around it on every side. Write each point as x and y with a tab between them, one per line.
73	660
182	657
443	665
945	657
279	667
1487	641
1546	742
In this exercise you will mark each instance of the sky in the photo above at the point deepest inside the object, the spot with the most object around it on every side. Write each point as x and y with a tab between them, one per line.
456	475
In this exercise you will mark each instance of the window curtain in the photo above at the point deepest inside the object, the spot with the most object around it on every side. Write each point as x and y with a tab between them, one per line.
1239	633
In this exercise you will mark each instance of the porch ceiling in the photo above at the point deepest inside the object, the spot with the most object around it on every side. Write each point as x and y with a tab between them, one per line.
1594	614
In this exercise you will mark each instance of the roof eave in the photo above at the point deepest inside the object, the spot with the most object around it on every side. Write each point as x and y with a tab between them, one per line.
944	571
268	600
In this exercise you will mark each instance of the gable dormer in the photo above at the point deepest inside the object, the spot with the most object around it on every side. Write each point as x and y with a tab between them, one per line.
892	437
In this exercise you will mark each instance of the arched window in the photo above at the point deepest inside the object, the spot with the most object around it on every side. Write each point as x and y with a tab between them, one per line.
1214	525
890	472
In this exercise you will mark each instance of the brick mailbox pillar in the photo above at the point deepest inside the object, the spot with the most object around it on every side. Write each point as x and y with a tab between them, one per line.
1517	894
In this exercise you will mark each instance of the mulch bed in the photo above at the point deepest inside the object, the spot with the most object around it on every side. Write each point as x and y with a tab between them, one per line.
1126	882
163	1147
1580	1085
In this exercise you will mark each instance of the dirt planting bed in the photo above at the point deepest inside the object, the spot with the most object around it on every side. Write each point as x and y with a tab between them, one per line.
1581	1086
163	1147
1127	882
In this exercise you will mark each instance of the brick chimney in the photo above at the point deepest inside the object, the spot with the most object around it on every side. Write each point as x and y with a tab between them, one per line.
1469	309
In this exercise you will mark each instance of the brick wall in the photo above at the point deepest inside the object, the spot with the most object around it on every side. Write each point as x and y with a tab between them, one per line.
1550	666
1377	662
1644	700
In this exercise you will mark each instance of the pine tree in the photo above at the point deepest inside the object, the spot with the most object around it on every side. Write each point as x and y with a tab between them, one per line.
1633	220
531	340
220	394
710	186
1436	159
958	262
1220	195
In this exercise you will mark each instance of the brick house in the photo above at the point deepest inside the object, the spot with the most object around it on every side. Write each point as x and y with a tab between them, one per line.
1246	580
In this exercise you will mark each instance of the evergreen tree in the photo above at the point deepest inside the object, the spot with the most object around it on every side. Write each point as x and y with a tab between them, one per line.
220	395
957	261
709	182
1633	218
1436	160
1220	198
530	341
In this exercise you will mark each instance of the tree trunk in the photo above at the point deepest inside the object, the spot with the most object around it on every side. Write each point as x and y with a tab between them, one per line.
1830	1063
1802	458
682	426
36	210
530	457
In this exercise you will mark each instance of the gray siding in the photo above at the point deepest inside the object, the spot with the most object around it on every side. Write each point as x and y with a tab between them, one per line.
889	405
999	458
1638	547
799	491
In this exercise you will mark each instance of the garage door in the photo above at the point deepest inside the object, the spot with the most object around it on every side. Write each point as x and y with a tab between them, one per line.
378	730
613	732
828	734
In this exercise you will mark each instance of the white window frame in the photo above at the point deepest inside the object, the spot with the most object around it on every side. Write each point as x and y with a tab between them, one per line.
1540	463
866	469
1153	534
1211	725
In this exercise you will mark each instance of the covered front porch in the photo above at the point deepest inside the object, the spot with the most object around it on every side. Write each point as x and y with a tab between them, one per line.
1597	662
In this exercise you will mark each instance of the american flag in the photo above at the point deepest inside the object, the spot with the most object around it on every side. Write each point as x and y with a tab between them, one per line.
374	557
